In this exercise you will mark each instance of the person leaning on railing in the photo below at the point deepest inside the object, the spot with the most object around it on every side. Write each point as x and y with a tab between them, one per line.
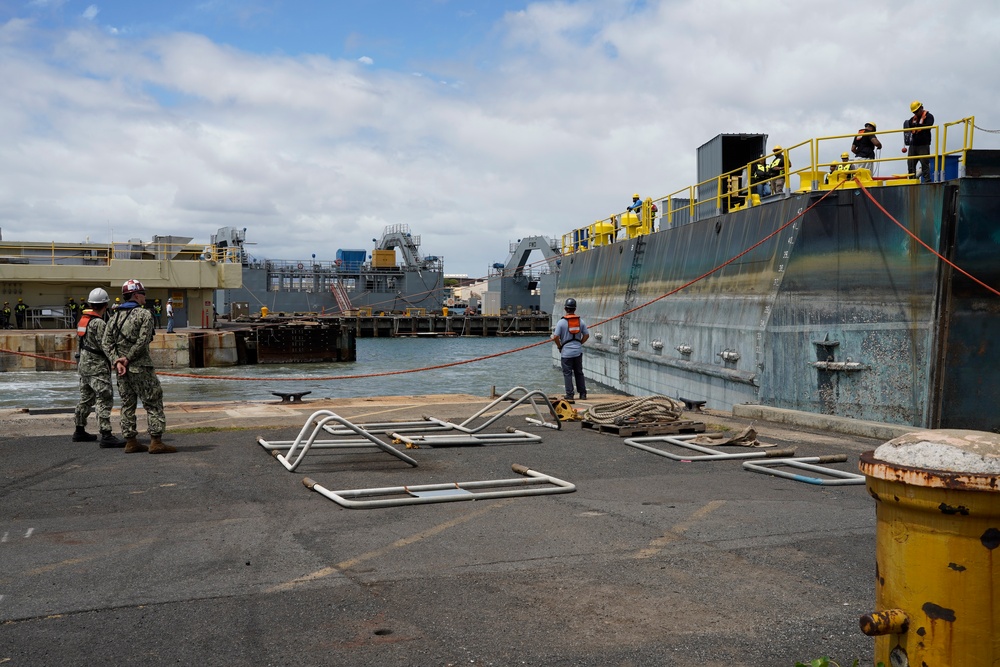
635	206
919	141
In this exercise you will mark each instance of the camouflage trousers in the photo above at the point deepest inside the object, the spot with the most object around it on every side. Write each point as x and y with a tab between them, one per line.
95	390
141	384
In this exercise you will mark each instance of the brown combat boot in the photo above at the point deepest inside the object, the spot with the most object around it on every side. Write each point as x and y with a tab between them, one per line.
156	446
132	446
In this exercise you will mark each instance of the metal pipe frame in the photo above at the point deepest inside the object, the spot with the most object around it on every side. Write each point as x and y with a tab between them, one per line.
709	454
840	477
307	442
432	424
459	491
511	437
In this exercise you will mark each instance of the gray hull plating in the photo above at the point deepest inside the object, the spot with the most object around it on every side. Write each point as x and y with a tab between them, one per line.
839	313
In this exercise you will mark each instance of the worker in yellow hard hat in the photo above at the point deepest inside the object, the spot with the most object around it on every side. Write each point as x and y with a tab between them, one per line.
864	146
845	164
918	140
635	206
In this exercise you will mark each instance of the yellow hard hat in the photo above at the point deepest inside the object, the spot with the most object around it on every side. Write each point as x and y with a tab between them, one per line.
915	104
872	124
777	149
635	196
844	156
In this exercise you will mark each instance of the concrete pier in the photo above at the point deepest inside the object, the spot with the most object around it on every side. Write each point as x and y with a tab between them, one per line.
109	558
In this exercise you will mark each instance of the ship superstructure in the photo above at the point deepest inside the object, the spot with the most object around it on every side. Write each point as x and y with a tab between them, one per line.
354	280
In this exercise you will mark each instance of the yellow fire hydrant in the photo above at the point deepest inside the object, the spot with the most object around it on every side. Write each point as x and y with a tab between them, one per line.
937	593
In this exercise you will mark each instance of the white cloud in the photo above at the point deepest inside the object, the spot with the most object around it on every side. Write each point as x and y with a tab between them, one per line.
90	13
579	105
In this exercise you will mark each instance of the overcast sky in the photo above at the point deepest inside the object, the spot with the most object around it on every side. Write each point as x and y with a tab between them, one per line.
316	123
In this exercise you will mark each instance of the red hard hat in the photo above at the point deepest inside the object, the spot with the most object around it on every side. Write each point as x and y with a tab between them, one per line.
131	287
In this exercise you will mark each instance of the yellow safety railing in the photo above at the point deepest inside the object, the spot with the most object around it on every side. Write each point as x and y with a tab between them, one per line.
737	189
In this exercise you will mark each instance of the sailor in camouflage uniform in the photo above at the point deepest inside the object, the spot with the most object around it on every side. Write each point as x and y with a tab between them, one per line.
126	342
95	373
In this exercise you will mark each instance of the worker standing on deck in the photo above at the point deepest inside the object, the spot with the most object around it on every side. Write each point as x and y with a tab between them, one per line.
757	177
569	335
919	141
635	206
864	146
776	169
170	315
72	311
21	313
5	316
126	344
95	373
157	313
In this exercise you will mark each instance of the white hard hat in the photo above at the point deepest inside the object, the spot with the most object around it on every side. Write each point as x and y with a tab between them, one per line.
97	295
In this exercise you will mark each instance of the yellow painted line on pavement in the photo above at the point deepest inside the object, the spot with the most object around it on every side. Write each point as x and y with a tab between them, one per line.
377	553
677	531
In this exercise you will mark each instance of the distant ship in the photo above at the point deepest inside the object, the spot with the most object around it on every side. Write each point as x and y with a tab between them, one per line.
354	281
837	311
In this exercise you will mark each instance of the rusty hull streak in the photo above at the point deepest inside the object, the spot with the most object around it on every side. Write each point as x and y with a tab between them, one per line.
935	479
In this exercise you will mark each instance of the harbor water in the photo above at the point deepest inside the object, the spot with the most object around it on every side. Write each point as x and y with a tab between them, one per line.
532	368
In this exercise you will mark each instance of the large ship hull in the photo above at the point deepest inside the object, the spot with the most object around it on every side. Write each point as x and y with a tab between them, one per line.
839	313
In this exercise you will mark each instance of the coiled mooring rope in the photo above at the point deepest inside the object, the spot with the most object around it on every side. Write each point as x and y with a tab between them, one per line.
644	409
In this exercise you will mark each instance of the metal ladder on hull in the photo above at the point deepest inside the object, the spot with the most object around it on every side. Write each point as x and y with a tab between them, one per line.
630	294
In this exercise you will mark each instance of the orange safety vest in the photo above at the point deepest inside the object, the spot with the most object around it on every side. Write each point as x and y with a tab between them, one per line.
81	326
572	324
